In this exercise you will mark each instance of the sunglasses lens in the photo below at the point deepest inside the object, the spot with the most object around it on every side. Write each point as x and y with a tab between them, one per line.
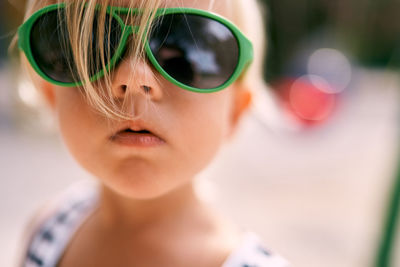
197	51
51	50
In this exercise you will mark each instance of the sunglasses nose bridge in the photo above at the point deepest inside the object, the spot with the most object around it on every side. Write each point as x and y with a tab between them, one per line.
131	29
135	29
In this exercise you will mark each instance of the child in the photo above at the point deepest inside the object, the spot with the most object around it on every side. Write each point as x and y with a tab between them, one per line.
145	92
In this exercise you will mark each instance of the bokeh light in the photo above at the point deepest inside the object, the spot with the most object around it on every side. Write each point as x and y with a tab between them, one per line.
331	65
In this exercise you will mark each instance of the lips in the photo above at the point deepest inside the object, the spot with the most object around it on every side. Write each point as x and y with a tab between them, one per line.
136	134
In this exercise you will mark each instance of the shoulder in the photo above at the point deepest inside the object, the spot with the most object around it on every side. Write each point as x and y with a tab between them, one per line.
50	224
252	253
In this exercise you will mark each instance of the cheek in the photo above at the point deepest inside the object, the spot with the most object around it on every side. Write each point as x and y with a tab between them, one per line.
203	128
76	123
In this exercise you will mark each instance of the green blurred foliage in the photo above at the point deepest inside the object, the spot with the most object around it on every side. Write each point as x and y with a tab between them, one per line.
367	29
11	15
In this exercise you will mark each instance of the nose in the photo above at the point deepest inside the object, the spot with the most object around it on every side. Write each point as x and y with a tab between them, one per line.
135	77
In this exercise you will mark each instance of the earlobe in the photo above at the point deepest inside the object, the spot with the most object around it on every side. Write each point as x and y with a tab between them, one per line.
241	103
45	89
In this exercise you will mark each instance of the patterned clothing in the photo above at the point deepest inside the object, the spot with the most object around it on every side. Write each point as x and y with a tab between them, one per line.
51	237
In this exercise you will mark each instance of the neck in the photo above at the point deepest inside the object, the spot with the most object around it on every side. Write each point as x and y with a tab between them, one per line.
119	211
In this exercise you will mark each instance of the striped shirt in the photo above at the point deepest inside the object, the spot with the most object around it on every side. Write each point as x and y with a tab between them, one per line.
52	235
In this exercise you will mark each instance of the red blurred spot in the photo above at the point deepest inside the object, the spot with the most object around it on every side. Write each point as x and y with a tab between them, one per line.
307	101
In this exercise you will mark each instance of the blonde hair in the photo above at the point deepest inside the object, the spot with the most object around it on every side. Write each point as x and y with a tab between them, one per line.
246	14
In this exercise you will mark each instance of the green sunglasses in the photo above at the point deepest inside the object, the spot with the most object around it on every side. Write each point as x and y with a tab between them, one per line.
193	49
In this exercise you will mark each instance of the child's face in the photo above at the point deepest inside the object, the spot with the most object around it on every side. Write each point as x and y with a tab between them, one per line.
192	126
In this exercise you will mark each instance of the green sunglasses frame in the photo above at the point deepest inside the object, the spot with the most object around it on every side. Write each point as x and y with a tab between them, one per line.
244	44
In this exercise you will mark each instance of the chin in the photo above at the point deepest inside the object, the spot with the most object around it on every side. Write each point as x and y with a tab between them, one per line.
143	187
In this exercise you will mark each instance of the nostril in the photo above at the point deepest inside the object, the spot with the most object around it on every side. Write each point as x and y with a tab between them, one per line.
122	90
146	88
119	91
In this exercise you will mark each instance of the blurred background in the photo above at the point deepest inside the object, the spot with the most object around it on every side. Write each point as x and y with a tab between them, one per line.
314	168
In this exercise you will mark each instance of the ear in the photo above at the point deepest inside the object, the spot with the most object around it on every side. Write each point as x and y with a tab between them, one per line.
241	102
46	89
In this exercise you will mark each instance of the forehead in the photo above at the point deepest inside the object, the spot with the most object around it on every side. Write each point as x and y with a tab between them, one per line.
221	7
203	4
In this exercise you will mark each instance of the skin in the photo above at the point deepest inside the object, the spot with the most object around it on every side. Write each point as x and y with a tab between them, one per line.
148	213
